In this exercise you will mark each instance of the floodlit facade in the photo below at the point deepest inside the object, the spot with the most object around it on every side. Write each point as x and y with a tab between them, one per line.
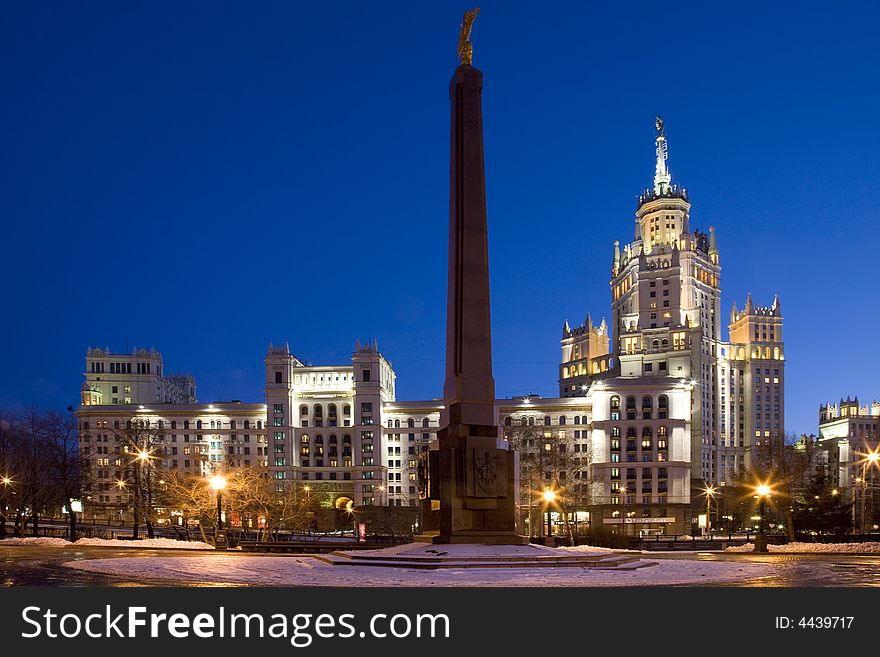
196	439
135	378
666	323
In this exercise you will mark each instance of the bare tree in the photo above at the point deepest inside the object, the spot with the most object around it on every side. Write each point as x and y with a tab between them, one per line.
141	443
66	468
550	457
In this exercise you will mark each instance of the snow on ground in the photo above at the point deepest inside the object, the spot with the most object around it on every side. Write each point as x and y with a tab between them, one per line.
593	548
846	548
291	570
35	541
101	542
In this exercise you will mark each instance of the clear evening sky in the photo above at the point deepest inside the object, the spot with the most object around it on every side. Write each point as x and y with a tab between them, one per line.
205	177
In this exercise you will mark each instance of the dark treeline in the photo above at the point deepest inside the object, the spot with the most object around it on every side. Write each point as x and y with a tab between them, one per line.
41	469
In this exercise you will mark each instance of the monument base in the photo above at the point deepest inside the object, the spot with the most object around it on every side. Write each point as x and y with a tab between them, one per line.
471	485
482	538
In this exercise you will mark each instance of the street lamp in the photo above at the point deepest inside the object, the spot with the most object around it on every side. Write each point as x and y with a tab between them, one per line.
549	496
709	492
762	492
218	483
872	458
7	482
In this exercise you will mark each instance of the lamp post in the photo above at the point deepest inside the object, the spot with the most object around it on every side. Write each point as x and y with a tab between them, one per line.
871	458
7	482
143	459
307	489
762	492
218	483
709	492
623	516
549	496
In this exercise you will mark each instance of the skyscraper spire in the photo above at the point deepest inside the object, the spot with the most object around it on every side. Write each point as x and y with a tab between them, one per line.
661	173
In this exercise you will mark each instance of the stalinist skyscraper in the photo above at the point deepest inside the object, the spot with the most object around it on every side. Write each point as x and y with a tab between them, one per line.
666	322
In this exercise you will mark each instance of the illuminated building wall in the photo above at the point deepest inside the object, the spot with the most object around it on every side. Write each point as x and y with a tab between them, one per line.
666	323
135	378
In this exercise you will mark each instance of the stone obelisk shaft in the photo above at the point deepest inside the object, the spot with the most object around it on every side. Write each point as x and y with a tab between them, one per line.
469	391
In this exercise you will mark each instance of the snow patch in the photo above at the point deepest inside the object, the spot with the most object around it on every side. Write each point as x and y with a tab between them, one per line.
818	548
36	541
593	548
164	543
237	569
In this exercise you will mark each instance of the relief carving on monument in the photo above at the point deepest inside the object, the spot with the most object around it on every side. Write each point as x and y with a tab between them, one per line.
486	472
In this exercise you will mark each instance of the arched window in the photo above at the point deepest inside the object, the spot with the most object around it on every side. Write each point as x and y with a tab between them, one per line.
531	421
303	410
85	426
663	401
318	411
615	432
185	424
630	432
665	344
615	403
161	424
661	431
775	353
425	422
397	423
631	403
198	424
331	410
319	439
173	424
247	424
233	424
410	423
346	410
346	440
390	423
577	419
561	419
116	424
212	424
646	402
546	420
646	442
331	440
259	424
655	344
507	421
564	372
304	439
646	431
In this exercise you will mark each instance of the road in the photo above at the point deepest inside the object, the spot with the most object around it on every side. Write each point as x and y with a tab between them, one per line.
40	566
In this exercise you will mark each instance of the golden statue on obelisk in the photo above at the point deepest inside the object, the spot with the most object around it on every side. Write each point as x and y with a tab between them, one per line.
465	47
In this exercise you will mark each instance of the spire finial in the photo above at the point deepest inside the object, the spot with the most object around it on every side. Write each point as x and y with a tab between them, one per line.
661	173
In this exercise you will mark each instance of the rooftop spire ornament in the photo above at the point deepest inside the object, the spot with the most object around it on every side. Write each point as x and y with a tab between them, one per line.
661	173
465	48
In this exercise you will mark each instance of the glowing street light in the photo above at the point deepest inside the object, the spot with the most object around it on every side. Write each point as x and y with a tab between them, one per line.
6	481
871	458
549	496
762	491
709	492
218	483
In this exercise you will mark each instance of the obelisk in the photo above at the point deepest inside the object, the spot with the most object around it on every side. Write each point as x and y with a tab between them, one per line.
469	492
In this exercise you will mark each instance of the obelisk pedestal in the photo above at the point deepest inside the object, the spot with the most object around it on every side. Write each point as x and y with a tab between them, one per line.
469	477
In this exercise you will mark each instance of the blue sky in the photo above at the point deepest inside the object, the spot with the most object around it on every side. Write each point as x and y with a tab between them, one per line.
207	177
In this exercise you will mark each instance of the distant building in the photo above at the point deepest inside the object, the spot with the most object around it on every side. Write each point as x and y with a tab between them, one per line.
666	323
135	378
